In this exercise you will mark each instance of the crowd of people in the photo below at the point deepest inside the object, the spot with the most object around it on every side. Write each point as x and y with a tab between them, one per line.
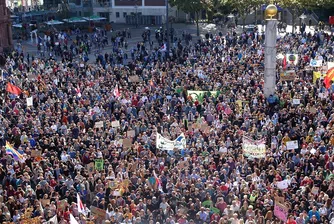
88	137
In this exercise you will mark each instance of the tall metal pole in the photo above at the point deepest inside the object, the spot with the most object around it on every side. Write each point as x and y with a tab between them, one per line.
167	29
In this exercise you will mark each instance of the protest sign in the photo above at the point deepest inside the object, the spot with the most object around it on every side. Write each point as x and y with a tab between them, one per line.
97	212
292	144
115	124
99	164
45	202
127	143
296	101
90	167
281	211
288	76
315	190
29	101
131	133
282	184
134	78
99	124
254	149
36	153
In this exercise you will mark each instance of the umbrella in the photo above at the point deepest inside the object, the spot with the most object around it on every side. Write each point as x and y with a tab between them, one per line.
94	18
74	20
54	22
19	25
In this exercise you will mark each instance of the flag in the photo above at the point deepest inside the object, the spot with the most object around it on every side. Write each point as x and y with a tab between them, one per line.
329	77
53	220
284	62
41	207
16	155
81	208
13	89
29	101
157	181
316	76
164	47
116	92
73	220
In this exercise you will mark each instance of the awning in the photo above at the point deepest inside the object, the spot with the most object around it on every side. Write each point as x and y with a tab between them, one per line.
54	22
94	18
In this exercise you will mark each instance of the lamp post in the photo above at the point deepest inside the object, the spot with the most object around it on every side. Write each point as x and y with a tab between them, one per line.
167	29
302	19
230	17
136	7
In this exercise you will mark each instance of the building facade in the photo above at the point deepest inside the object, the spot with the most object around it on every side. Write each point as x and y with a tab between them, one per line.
6	41
148	12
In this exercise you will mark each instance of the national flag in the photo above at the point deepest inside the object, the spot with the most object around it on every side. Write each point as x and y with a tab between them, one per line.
73	220
164	47
329	77
117	94
81	208
16	155
13	89
284	62
157	181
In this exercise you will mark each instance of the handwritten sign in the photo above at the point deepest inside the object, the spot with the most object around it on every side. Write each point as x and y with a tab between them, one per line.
315	190
36	153
131	133
296	101
99	124
90	167
292	144
281	211
134	78
115	124
45	202
127	143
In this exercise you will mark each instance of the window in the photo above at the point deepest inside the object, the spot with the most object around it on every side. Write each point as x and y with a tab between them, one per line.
117	14
124	14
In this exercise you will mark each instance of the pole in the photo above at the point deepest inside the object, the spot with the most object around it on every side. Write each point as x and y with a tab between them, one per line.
167	29
136	16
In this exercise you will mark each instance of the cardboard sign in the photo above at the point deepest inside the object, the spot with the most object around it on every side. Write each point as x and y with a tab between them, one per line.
292	145
296	101
45	202
131	134
134	78
90	167
127	143
313	110
99	124
315	190
36	153
97	212
288	76
281	211
115	124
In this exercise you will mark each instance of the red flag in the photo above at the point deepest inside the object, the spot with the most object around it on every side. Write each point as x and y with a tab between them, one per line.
13	89
329	77
284	62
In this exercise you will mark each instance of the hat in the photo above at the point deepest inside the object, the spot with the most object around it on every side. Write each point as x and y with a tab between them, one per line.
250	207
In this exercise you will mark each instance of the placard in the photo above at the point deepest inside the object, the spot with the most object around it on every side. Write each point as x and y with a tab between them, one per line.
115	124
45	202
36	153
281	211
62	204
313	110
131	134
288	76
90	167
292	144
97	212
30	101
98	124
99	164
315	190
296	101
134	78
127	143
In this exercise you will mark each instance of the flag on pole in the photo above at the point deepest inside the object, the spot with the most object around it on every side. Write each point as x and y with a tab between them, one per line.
73	220
117	94
16	155
329	77
81	208
13	89
284	62
77	90
157	181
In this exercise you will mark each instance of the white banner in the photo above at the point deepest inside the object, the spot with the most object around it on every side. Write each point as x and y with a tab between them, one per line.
254	149
166	144
29	101
315	63
282	184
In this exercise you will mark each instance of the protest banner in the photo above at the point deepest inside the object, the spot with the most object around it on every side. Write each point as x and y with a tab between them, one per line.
135	78
30	101
281	211
296	101
282	184
99	164
127	143
254	149
292	144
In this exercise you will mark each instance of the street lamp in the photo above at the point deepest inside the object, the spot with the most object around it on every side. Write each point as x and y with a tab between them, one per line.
302	18
167	29
136	7
231	16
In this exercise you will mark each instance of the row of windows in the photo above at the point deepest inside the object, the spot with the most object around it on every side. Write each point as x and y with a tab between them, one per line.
118	15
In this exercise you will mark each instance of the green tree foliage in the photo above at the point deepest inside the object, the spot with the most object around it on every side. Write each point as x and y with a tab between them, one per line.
194	7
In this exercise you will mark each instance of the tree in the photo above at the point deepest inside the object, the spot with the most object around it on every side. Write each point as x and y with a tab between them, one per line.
192	7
